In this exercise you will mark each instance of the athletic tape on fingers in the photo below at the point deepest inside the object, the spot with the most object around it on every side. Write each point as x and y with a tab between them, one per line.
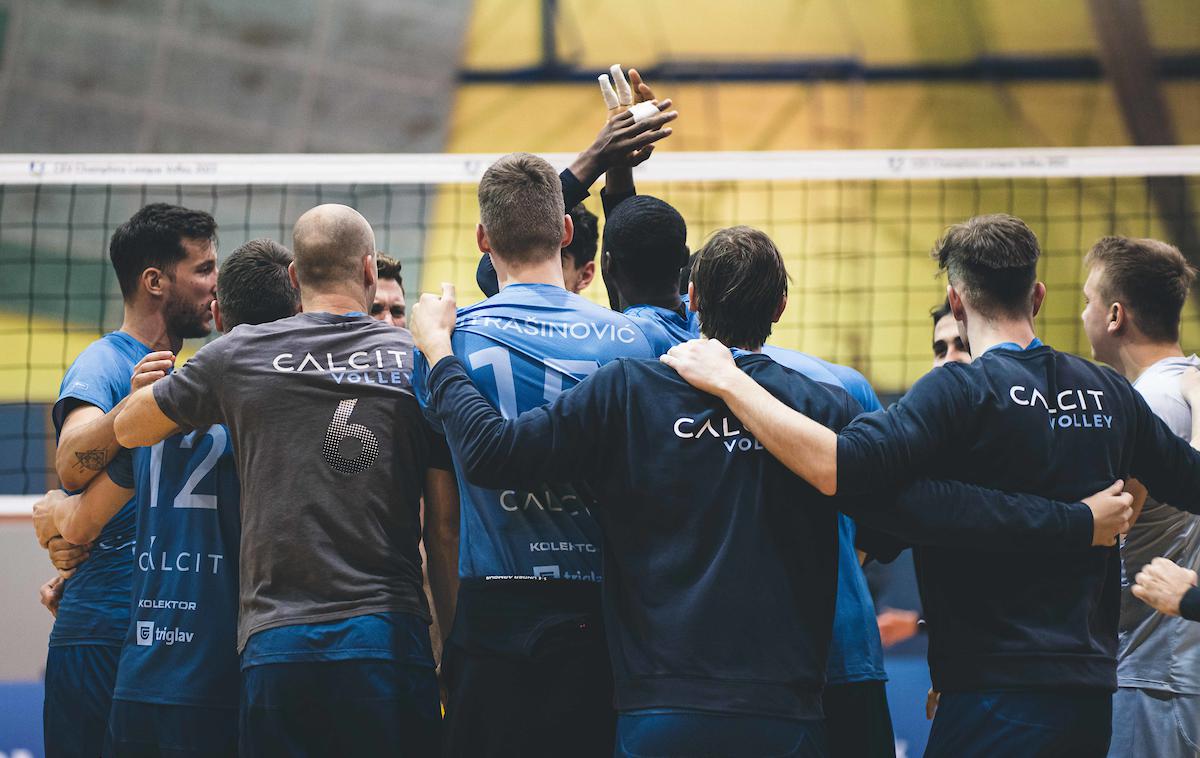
610	95
624	93
642	111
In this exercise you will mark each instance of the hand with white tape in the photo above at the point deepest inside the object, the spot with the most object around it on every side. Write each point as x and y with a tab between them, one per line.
631	95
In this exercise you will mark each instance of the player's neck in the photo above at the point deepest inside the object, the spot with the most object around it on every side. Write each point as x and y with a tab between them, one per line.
332	302
1134	357
149	327
668	299
984	334
548	271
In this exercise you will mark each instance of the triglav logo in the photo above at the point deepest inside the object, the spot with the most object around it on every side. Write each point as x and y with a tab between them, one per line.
148	635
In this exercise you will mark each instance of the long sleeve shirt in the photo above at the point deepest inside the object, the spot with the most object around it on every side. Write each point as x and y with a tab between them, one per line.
1033	421
720	564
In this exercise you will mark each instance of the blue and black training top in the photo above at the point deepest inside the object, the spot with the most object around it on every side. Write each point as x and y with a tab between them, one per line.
1034	421
720	564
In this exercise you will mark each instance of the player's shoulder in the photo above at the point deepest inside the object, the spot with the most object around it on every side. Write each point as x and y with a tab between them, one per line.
798	389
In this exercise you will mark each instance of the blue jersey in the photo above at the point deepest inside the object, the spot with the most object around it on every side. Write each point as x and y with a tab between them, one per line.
663	327
95	602
522	348
855	652
181	644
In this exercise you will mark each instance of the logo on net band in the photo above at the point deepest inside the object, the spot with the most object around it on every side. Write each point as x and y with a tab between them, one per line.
147	634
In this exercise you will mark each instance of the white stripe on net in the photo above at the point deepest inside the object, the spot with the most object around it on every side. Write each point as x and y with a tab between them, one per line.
452	168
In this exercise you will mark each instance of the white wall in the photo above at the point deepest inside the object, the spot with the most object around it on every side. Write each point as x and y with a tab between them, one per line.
24	623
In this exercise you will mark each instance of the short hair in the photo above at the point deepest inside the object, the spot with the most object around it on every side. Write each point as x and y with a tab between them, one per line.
521	208
1149	277
253	286
587	237
940	312
740	280
685	274
153	238
389	268
647	239
992	260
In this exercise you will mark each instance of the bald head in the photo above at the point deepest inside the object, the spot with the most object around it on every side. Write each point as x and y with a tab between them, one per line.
329	243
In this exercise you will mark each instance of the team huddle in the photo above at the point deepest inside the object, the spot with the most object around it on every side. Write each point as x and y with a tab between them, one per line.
535	526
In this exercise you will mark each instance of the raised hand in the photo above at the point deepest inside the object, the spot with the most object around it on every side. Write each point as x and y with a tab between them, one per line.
432	323
1112	513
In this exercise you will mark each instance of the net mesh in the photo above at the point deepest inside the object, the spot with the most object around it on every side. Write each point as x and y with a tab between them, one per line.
857	251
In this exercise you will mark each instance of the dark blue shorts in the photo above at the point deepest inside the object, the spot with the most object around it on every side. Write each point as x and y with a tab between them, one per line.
79	689
148	730
362	707
1021	725
669	733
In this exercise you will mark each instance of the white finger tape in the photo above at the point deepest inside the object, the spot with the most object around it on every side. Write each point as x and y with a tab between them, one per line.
621	83
642	111
610	95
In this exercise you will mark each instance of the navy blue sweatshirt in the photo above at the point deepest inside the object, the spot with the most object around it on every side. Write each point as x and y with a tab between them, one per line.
1035	421
720	564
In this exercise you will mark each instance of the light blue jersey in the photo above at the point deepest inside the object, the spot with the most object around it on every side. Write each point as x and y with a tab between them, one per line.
663	327
95	602
522	348
181	647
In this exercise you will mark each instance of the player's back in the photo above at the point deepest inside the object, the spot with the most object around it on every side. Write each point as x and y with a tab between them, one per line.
181	647
1046	423
332	450
522	348
723	564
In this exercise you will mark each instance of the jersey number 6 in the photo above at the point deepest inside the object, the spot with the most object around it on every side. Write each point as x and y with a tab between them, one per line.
349	448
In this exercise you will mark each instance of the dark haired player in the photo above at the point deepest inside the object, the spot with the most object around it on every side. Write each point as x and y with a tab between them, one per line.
388	305
166	263
177	683
948	345
645	246
579	257
332	452
1023	651
694	513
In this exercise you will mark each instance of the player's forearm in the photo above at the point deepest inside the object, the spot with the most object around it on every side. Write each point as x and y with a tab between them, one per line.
141	422
441	546
85	448
80	518
798	442
959	515
492	451
618	186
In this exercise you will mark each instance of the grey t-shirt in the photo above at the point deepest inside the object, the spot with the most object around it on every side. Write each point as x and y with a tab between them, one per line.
1157	651
332	450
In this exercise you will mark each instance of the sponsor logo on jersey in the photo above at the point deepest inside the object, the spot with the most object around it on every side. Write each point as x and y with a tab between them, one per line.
166	605
725	429
198	561
148	634
1073	408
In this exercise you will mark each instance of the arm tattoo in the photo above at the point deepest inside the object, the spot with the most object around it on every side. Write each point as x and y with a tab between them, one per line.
92	460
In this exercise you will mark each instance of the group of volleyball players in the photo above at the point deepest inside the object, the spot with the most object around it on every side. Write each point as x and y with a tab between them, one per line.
635	541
